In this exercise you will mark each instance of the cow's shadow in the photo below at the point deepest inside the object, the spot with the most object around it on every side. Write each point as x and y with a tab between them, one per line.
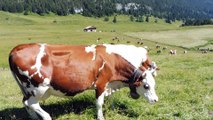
76	106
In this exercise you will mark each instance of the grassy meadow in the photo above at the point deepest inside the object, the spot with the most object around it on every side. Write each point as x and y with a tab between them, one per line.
184	82
190	38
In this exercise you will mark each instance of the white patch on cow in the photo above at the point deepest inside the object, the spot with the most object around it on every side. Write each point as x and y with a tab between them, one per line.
99	104
25	73
102	66
93	85
46	81
114	86
45	86
135	55
91	49
38	63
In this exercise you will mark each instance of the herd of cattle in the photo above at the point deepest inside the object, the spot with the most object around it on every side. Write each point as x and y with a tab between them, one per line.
159	49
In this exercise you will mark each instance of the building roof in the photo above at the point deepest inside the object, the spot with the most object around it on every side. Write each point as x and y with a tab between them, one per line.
89	27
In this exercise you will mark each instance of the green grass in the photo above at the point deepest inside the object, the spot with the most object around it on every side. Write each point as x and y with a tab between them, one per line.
184	82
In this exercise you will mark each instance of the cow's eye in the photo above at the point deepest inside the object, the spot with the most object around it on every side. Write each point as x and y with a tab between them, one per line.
146	86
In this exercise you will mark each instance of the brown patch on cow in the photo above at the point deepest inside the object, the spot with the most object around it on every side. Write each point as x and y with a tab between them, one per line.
123	69
75	72
45	60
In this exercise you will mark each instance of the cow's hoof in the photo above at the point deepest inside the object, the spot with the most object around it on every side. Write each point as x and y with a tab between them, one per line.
101	118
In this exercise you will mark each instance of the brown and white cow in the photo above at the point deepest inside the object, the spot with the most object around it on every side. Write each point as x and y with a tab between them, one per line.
42	70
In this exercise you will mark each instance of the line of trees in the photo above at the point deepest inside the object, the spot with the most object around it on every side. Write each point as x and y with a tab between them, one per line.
95	8
197	22
171	10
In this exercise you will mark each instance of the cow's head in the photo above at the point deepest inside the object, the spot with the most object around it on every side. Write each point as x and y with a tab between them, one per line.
144	85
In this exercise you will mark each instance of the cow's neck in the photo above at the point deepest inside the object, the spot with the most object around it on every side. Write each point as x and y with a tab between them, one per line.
124	75
124	70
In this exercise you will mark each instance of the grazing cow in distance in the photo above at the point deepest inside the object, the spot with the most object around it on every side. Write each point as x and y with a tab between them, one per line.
159	52
147	48
116	39
140	42
42	70
205	51
98	39
164	48
157	46
173	52
128	41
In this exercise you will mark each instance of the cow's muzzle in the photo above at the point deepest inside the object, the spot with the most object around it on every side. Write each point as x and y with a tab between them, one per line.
134	95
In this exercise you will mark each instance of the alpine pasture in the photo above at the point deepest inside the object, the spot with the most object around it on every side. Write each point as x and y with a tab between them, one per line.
184	81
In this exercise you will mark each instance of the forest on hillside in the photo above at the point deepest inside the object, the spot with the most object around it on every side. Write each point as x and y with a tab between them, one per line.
192	12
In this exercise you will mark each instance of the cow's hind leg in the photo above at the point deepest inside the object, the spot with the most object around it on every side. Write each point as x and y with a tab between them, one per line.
31	112
34	109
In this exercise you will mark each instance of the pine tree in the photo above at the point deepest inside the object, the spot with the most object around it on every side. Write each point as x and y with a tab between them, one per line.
106	19
147	18
131	18
114	19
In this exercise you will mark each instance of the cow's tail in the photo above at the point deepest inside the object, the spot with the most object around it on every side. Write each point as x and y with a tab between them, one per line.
13	68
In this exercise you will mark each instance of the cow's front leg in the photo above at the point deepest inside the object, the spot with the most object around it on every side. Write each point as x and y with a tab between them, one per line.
99	103
101	83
